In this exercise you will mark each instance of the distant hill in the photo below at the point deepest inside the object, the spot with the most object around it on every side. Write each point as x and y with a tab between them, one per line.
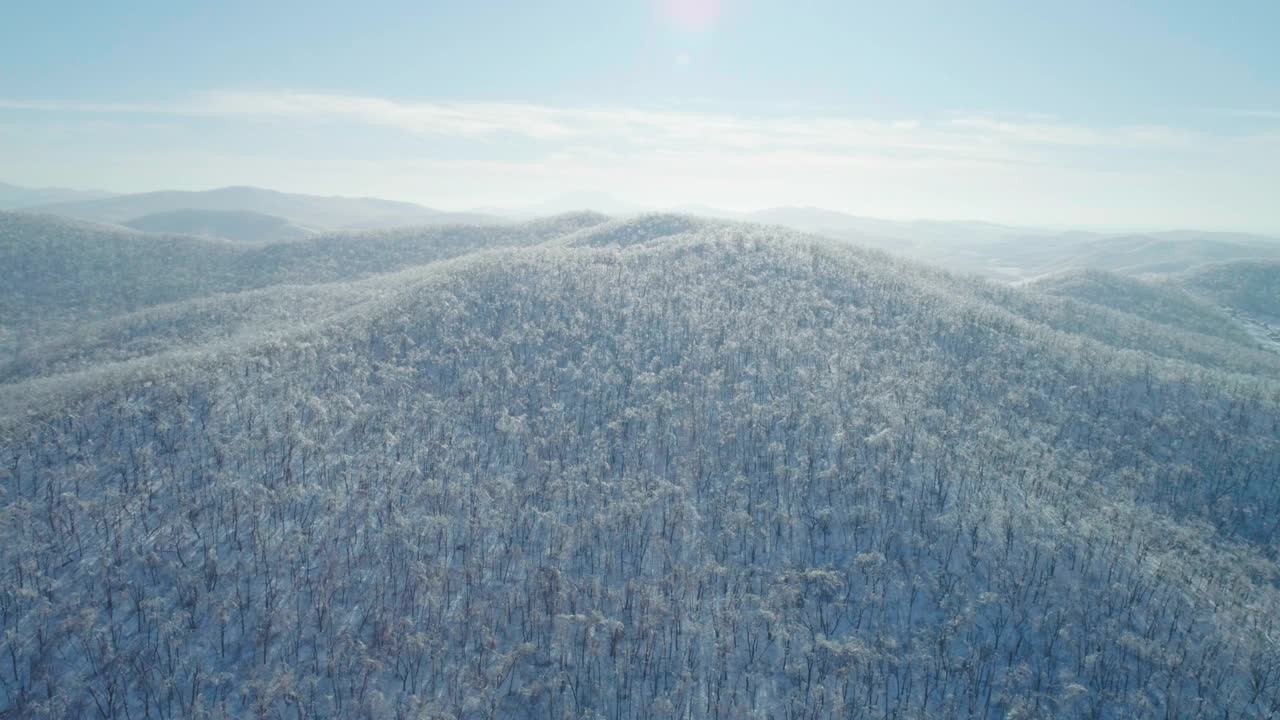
641	229
1160	302
997	251
1170	252
1016	253
13	197
1247	289
312	211
60	272
240	225
1029	254
1251	286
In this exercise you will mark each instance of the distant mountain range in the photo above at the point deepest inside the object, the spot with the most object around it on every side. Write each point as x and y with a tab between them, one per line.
240	225
1003	252
1017	253
13	196
308	211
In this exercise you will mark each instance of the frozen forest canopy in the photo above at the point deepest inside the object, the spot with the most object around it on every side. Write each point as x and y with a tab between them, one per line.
657	467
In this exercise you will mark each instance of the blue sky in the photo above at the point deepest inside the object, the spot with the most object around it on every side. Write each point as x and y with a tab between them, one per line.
1114	114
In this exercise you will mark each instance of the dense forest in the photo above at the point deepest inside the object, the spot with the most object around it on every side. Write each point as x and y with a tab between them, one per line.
663	467
1251	286
57	273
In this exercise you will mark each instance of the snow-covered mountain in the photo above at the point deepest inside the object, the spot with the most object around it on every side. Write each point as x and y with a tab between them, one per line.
656	467
239	225
314	211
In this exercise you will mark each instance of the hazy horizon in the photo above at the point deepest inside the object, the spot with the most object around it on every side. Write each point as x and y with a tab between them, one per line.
1155	117
621	207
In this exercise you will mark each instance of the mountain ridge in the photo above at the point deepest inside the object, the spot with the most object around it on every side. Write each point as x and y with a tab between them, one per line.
239	225
554	454
13	197
330	212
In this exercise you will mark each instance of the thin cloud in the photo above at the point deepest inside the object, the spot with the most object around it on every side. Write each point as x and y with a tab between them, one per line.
973	137
1049	133
1022	168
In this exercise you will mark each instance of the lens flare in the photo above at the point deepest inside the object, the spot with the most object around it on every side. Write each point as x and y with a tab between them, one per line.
691	14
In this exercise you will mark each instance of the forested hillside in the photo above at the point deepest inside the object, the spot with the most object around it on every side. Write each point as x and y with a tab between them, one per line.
1163	252
241	225
665	467
1159	302
57	273
1246	286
